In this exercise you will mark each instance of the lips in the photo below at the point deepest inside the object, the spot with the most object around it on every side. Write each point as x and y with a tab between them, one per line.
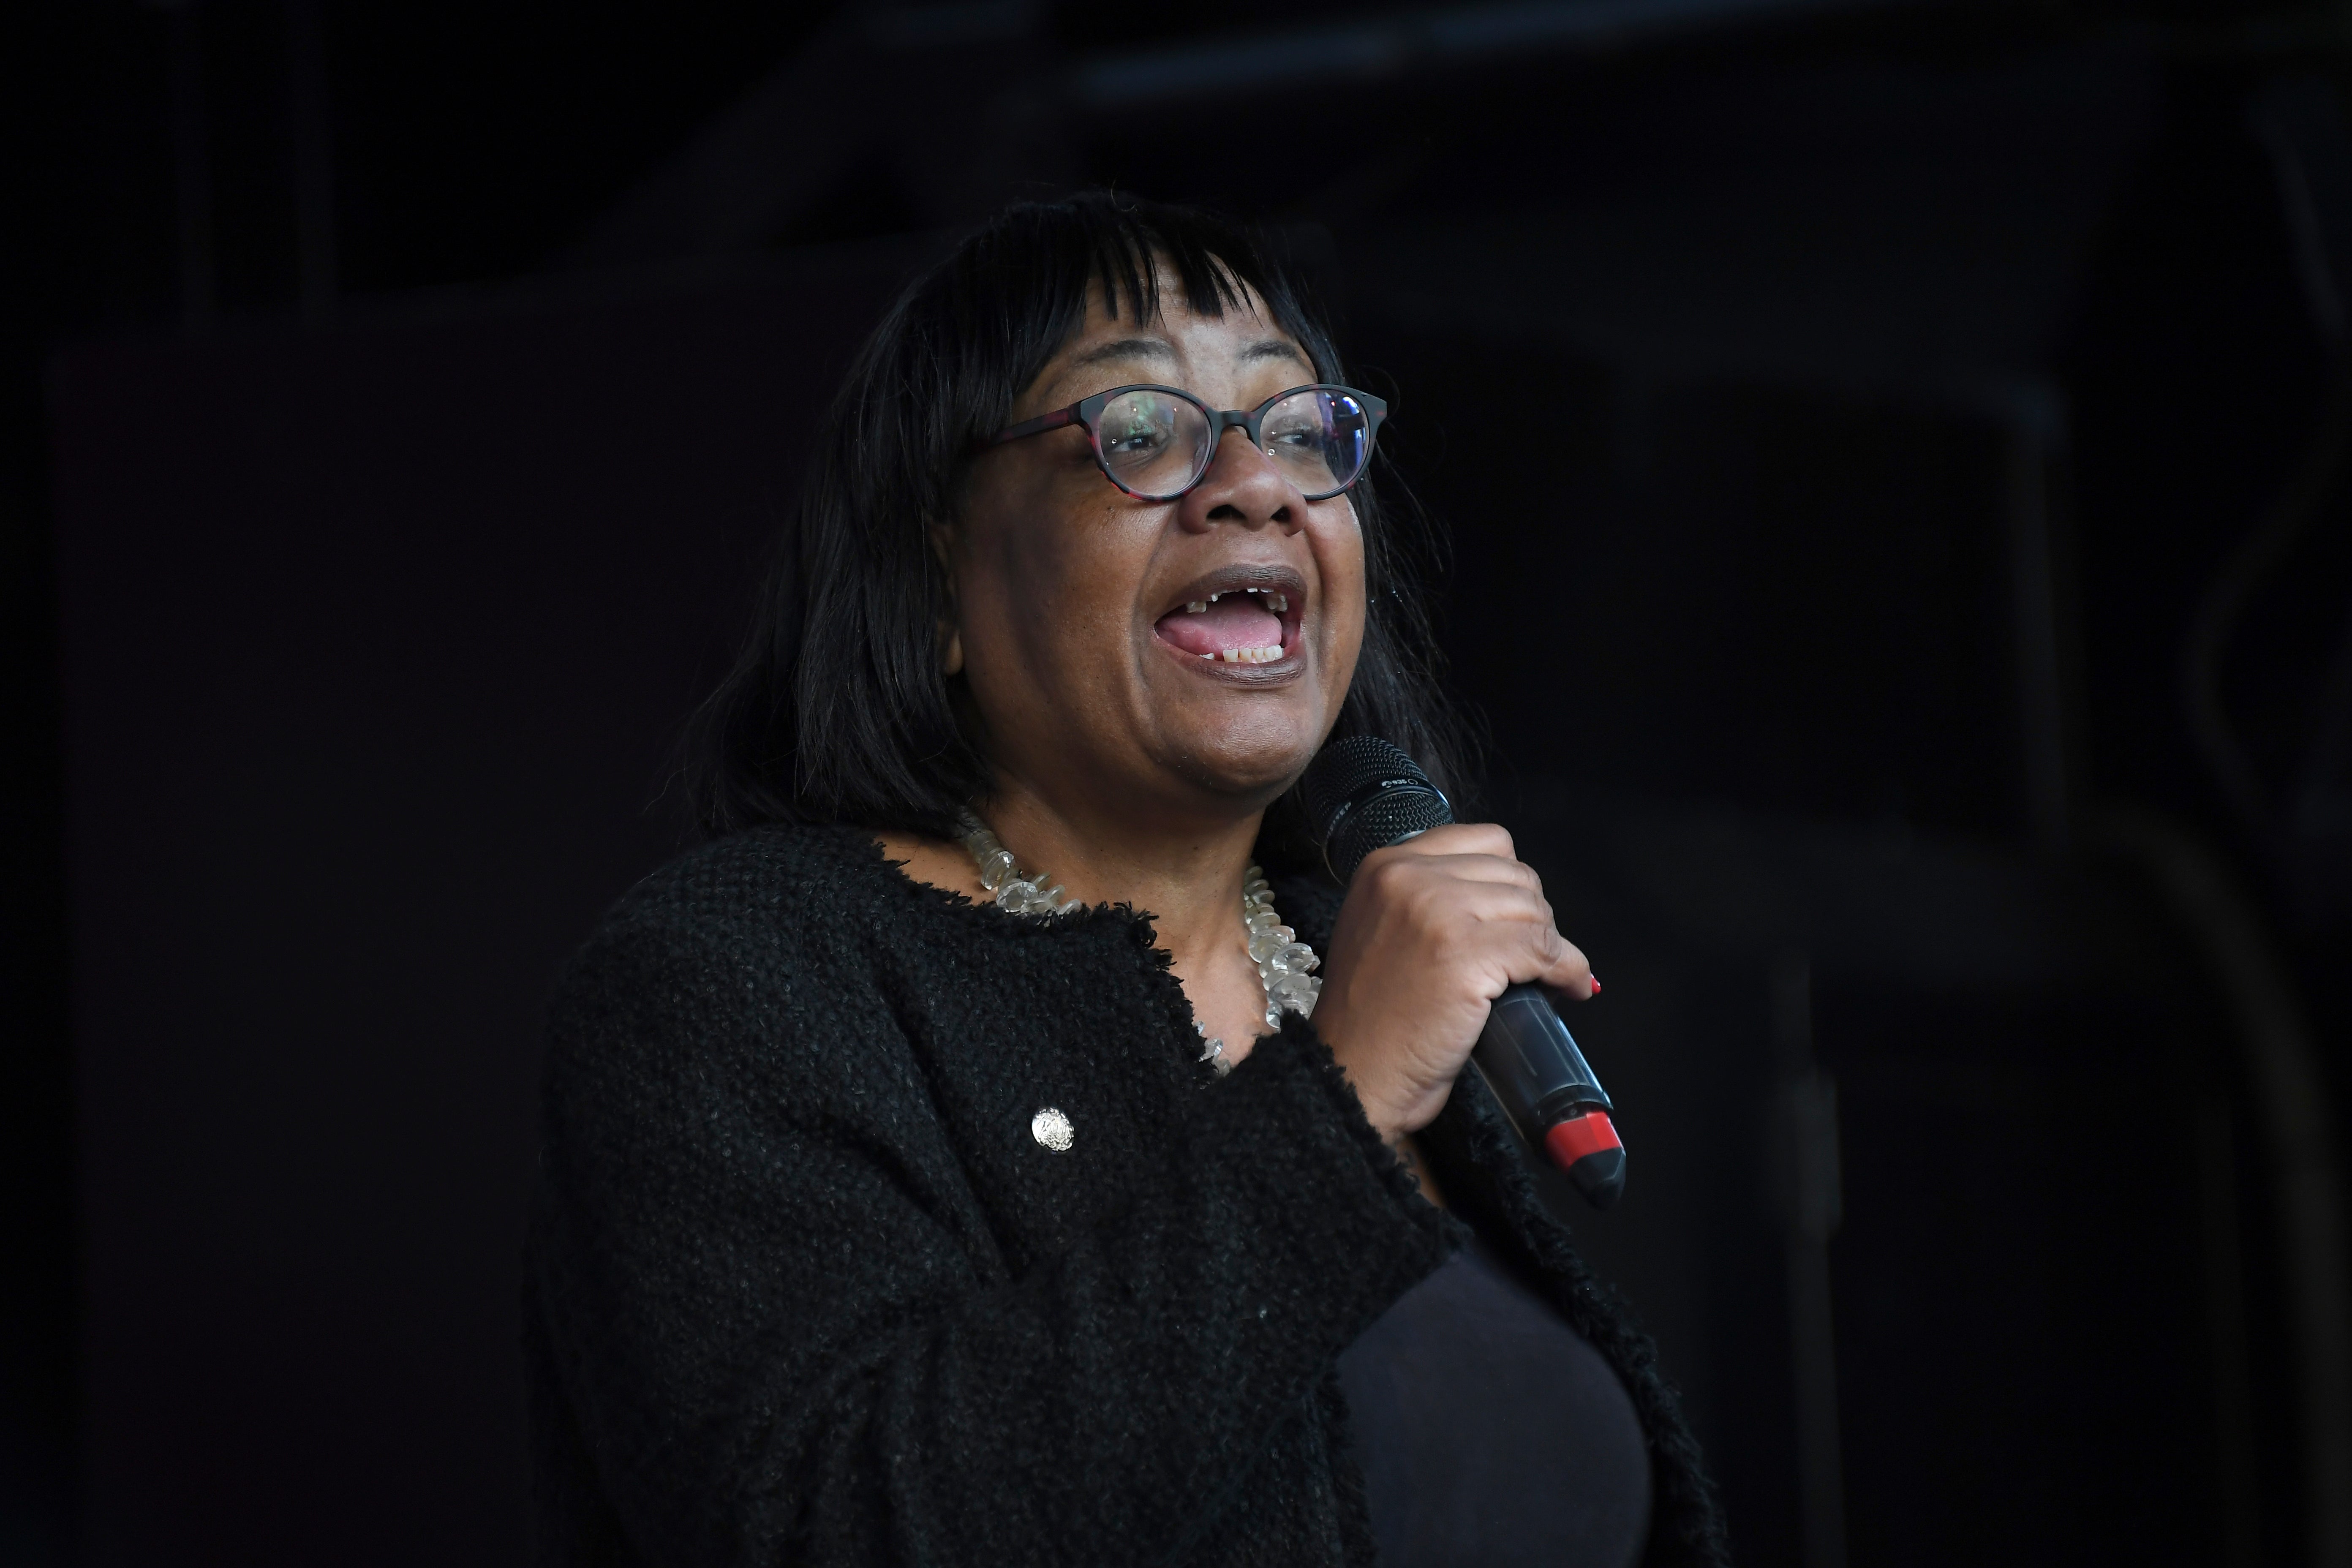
1247	616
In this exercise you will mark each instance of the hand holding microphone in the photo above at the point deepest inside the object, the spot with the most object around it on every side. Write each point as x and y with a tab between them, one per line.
1439	952
1433	929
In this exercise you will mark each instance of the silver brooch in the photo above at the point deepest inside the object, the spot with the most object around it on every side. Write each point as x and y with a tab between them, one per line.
1051	1128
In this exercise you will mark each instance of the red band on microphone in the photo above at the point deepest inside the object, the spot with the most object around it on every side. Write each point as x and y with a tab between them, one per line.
1572	1139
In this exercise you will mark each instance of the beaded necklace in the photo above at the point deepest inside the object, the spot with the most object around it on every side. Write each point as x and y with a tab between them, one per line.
1285	964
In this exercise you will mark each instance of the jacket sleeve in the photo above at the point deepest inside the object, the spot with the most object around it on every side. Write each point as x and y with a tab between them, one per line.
775	1346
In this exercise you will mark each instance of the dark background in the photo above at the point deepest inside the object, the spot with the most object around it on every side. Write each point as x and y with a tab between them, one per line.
1894	453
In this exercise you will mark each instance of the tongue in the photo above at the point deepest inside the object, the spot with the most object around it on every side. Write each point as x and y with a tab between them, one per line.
1235	621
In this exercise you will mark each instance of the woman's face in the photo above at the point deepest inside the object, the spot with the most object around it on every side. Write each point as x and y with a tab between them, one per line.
1085	614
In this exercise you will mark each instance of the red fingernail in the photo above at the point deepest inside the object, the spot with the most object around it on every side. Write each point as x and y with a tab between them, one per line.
1596	985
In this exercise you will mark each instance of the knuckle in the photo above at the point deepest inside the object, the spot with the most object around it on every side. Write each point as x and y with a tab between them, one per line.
1487	838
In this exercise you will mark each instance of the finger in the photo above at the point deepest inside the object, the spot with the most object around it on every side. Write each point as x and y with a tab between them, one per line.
1572	972
1499	900
1404	872
1591	989
1472	869
1549	958
1486	867
1458	838
1509	938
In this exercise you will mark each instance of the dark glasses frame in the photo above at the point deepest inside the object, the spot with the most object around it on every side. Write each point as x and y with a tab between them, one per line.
1086	411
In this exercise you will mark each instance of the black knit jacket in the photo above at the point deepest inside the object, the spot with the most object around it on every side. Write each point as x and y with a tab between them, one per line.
804	1288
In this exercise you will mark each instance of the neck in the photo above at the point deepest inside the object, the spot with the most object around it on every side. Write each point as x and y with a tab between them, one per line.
1187	873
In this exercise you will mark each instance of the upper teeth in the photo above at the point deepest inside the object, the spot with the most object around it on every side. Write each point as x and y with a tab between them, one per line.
1278	602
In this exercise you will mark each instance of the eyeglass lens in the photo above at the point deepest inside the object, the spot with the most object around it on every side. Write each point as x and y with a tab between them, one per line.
1158	446
1154	445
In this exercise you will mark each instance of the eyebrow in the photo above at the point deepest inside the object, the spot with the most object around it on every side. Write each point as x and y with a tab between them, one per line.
1153	348
1274	348
1124	347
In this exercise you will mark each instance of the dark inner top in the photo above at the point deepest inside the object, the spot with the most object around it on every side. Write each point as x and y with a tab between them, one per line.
1490	1432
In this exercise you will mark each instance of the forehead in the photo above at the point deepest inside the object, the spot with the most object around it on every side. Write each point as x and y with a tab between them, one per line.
1174	339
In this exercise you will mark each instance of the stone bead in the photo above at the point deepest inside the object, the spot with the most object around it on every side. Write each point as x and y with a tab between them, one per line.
1266	945
1282	961
1290	958
1296	991
1021	897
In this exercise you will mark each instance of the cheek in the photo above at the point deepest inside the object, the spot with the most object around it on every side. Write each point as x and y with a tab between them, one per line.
1339	544
1050	581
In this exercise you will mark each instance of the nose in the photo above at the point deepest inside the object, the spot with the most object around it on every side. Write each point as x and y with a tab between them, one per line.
1243	486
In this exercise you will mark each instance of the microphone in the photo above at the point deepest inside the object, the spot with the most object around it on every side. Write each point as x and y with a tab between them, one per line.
1361	795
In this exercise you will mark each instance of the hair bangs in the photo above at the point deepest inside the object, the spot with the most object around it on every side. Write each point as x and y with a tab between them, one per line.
1129	253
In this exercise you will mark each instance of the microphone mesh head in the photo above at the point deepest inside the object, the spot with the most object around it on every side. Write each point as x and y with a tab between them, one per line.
1361	795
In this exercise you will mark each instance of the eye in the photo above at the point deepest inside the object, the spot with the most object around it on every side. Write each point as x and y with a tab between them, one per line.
1291	426
1134	436
1137	426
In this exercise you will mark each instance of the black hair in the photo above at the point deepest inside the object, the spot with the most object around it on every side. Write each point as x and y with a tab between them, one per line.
836	710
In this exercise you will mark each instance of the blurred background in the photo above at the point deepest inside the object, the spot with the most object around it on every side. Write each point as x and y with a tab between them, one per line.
1916	645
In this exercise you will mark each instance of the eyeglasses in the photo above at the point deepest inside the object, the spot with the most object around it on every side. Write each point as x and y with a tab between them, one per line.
1157	442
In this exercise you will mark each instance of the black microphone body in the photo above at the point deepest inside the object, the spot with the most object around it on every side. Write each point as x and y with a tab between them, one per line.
1363	793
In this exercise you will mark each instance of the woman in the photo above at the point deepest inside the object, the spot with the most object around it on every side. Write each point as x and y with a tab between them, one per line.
910	1193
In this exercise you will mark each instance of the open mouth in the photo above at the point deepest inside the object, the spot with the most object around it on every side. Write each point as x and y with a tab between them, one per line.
1245	623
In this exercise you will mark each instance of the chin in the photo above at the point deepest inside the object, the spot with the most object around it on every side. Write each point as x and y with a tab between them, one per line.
1252	759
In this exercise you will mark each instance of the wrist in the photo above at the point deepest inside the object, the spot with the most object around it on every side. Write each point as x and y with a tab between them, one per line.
1385	1117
